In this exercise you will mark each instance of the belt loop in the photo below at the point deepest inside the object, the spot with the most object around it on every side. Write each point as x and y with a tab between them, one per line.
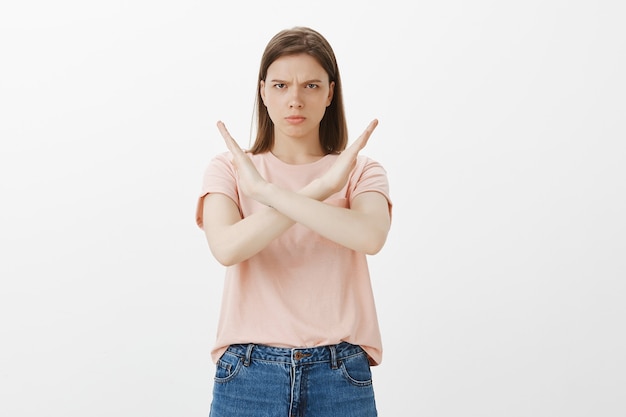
246	361
333	357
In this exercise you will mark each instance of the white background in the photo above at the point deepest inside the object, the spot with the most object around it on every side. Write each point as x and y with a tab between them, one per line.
501	290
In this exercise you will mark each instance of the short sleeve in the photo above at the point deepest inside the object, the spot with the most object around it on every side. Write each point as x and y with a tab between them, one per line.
369	175
219	177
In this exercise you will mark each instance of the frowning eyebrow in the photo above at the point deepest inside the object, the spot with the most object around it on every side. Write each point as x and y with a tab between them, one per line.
305	82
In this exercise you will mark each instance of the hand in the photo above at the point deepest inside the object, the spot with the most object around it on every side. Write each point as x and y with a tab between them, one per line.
251	183
337	176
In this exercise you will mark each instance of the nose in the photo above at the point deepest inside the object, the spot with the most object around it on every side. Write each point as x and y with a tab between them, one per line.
294	99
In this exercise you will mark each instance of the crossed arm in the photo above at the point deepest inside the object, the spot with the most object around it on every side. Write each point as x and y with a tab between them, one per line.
363	227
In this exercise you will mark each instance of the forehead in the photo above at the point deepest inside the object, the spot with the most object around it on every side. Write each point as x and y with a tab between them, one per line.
300	65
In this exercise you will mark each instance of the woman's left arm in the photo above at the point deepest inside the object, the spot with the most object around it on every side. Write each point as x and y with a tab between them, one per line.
363	227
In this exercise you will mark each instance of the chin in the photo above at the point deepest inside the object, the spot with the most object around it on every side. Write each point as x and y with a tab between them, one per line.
296	132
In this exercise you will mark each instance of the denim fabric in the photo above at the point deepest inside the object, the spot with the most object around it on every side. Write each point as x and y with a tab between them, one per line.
264	381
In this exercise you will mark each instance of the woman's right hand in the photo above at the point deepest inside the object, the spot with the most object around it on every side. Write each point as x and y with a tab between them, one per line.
251	182
336	177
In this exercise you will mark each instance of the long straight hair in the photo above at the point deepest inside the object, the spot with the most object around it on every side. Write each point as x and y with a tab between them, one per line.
302	40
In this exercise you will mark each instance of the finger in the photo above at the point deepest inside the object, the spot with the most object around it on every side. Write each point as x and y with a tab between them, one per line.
231	144
370	129
362	140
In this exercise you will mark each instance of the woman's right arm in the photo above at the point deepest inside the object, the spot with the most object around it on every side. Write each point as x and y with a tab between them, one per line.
233	239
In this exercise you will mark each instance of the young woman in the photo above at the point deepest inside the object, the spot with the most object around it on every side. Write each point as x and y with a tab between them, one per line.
293	220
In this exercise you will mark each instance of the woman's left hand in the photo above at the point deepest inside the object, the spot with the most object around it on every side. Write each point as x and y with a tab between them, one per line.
336	177
251	183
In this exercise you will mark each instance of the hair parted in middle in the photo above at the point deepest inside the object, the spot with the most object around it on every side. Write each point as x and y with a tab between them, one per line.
303	40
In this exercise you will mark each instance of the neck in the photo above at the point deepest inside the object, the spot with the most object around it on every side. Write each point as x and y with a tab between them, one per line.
297	150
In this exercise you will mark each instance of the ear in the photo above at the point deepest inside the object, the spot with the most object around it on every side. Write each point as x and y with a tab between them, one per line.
331	91
262	90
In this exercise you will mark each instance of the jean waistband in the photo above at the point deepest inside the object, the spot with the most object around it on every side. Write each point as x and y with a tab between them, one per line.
329	353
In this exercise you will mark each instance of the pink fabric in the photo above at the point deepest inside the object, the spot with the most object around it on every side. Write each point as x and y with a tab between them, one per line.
302	290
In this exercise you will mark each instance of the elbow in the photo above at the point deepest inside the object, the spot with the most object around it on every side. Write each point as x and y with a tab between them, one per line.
375	243
225	261
222	254
229	255
373	249
224	258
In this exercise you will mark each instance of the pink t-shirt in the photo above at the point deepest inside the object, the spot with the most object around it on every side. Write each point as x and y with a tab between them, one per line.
301	290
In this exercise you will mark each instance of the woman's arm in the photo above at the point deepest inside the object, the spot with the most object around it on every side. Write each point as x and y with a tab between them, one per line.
363	227
233	239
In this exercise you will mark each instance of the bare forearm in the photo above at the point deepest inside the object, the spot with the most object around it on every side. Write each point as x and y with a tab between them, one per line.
360	230
363	227
246	237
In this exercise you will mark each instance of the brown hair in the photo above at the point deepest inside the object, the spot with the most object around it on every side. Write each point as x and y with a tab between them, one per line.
303	40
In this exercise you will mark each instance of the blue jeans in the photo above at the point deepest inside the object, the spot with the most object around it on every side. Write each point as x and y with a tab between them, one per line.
264	381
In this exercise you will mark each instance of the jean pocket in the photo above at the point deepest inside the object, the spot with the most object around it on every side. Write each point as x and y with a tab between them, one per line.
227	367
356	370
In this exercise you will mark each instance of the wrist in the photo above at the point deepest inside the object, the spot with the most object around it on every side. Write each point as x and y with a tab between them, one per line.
267	194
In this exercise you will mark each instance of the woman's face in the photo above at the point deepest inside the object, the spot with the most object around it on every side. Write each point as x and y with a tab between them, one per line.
296	92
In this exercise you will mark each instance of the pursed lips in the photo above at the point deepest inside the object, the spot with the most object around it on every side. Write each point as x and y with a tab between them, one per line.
295	119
